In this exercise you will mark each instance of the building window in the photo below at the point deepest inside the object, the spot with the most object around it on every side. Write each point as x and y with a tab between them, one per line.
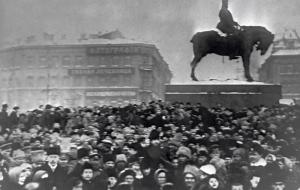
66	62
41	81
30	81
55	61
30	60
79	61
66	81
286	69
43	61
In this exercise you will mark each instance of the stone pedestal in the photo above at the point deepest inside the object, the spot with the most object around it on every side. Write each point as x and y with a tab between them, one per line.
233	94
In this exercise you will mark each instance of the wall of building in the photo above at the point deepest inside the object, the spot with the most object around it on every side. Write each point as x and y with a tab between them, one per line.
79	75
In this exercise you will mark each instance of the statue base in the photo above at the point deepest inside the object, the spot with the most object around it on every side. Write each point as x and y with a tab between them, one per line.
232	94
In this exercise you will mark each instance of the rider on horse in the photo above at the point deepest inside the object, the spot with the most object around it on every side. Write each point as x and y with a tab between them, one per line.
228	26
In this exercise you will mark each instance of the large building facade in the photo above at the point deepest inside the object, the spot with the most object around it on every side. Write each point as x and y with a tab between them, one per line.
100	70
283	66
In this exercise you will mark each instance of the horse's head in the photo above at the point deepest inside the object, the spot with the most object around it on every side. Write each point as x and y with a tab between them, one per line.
266	38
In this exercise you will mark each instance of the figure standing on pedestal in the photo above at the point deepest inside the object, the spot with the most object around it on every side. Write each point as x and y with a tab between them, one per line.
227	25
230	27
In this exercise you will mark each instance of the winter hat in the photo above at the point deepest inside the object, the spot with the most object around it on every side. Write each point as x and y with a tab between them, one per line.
108	157
87	165
53	150
208	169
18	154
192	170
121	158
82	152
37	156
125	173
39	175
184	151
158	171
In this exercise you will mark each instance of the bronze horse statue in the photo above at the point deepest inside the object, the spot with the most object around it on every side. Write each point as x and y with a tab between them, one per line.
241	44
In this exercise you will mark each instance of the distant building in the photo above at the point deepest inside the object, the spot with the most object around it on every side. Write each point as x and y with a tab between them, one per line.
283	66
95	69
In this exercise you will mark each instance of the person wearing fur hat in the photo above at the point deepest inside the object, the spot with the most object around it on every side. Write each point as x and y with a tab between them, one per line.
202	158
128	176
82	157
87	177
56	174
184	154
160	178
121	162
191	177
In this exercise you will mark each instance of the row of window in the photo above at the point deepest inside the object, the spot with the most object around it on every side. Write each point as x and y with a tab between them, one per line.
67	60
289	69
55	81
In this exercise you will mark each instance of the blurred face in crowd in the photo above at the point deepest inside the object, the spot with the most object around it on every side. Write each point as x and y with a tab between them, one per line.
109	165
53	159
278	186
213	183
121	165
161	178
112	181
236	158
22	177
189	180
269	159
237	187
129	179
202	159
146	171
228	160
95	162
215	154
63	160
182	159
254	157
255	181
87	174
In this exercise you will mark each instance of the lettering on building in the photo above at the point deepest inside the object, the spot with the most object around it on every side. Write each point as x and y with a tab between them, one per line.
100	71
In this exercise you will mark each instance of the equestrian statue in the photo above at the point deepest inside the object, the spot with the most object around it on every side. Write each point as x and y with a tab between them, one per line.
238	42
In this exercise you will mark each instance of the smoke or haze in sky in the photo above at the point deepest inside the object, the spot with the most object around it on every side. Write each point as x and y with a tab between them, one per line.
169	24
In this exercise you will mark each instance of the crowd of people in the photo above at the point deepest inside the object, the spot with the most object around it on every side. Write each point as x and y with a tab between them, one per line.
150	146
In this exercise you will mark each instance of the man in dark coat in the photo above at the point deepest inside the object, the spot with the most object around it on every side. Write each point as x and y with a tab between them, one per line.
14	116
4	119
56	174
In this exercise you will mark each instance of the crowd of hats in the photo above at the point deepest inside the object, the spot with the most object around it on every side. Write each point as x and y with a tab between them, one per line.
231	146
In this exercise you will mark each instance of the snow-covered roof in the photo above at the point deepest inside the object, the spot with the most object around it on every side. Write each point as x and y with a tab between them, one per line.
113	38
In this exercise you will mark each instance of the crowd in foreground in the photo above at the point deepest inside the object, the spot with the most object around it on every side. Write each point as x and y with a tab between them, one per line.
153	146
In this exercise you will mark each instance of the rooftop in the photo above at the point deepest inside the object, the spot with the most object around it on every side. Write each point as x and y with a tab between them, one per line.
113	37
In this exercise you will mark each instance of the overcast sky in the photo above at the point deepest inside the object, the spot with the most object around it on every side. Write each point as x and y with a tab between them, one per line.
169	24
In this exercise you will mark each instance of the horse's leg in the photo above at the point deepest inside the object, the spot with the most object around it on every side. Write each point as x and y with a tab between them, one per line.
246	64
198	54
194	64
